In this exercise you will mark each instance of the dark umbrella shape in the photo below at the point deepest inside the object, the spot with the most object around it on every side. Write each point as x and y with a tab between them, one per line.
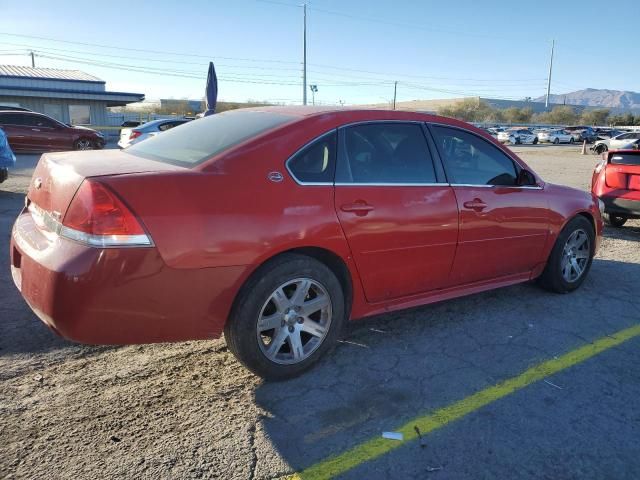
211	91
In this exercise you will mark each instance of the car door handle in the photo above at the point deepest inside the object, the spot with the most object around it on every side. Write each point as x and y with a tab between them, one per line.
359	208
475	204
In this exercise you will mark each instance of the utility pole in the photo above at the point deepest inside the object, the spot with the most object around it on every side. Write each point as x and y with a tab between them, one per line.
546	103
33	60
304	57
395	91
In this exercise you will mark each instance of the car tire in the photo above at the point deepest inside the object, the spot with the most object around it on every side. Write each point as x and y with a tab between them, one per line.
83	144
600	149
558	274
249	341
571	140
556	141
517	141
535	140
614	220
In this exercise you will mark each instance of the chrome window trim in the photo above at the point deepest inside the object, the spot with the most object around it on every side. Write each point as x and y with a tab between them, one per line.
291	174
388	184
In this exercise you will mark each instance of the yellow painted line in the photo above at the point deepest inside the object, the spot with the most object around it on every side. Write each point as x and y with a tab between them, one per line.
378	446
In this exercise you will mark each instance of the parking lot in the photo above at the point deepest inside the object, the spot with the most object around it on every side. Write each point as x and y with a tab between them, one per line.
191	411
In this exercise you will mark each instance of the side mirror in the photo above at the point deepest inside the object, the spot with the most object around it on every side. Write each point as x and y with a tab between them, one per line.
526	179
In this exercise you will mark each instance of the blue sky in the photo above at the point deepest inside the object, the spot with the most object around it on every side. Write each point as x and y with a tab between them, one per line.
356	48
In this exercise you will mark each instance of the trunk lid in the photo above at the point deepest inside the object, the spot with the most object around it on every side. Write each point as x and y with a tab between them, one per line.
623	170
58	175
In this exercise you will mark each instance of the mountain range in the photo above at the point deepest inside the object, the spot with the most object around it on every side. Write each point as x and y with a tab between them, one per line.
615	100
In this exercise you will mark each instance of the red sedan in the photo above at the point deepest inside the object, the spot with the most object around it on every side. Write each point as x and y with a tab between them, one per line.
616	182
34	132
277	225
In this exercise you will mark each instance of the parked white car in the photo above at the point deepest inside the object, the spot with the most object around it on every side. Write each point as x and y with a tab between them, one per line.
518	136
555	136
625	141
130	136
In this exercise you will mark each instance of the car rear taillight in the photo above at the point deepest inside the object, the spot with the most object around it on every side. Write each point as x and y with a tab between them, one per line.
97	217
134	134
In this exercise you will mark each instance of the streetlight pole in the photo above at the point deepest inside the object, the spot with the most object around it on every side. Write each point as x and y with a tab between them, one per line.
546	103
304	55
395	91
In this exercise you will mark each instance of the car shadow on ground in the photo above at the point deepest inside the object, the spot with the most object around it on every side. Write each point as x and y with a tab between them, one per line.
393	367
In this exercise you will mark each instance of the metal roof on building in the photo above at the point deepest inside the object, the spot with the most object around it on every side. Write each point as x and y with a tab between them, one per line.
47	73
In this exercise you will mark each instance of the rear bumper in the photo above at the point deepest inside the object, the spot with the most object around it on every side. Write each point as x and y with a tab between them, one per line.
117	295
621	206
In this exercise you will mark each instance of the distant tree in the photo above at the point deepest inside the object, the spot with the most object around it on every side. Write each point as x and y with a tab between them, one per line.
469	110
594	117
518	115
560	115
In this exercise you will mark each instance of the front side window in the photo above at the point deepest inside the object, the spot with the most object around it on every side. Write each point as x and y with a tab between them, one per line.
385	153
315	163
470	160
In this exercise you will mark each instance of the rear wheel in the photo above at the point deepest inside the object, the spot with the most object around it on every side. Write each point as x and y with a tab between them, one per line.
287	316
614	220
83	144
571	257
535	140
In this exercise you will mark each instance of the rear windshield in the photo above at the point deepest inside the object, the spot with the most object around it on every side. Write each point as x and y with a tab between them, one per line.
194	142
625	159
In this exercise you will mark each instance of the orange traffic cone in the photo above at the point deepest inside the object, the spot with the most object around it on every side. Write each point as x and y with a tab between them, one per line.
584	147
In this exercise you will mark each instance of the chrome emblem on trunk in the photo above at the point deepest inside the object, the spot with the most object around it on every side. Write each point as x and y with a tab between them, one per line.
37	183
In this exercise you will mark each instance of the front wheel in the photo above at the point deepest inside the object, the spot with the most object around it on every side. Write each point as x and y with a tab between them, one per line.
287	316
571	257
535	141
614	220
556	141
83	144
571	140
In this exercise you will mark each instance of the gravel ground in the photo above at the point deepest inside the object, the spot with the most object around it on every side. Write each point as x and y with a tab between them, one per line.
191	411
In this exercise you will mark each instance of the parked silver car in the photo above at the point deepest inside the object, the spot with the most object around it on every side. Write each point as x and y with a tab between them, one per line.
628	140
129	136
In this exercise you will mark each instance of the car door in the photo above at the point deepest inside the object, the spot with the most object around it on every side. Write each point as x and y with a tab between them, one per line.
399	215
50	135
503	226
13	125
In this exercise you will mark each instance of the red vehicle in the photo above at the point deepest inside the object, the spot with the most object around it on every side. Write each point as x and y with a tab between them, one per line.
35	132
277	225
616	182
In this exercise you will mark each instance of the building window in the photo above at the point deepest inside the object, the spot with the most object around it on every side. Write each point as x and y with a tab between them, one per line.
79	114
53	110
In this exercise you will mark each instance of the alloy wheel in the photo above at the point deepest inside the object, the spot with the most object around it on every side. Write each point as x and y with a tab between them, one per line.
294	321
575	256
83	145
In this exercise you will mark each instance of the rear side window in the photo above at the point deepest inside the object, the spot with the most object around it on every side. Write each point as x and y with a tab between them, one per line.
625	159
13	119
316	162
384	153
471	160
201	139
